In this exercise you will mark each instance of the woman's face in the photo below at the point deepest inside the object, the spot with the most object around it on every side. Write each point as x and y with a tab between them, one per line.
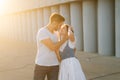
63	30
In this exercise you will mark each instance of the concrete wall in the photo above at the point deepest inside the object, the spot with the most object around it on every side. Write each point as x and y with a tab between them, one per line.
106	27
90	25
11	6
117	27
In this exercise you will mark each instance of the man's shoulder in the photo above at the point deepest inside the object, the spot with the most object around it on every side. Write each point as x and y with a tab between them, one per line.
43	29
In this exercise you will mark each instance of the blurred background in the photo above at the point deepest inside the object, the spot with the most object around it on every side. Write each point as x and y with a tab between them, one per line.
96	24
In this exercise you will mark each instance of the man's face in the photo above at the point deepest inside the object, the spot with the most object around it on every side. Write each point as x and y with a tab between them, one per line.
58	26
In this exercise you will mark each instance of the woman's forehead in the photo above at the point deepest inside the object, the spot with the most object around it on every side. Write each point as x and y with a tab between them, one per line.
63	27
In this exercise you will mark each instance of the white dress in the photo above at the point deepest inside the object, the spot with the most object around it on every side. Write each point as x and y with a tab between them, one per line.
70	67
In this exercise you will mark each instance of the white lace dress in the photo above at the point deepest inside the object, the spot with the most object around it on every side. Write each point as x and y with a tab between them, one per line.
70	67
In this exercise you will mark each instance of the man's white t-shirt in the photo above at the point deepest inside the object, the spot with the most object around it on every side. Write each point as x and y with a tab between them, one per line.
45	57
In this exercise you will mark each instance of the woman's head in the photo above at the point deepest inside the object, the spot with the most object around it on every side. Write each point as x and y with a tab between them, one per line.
64	29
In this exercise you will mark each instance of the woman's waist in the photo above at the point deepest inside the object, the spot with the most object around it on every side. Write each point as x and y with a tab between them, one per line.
67	57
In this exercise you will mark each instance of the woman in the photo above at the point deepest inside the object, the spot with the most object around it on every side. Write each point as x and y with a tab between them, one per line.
70	68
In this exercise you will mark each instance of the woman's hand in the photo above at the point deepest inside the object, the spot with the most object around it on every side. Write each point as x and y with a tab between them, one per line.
71	36
58	55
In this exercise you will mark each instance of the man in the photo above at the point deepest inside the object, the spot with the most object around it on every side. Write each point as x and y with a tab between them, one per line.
47	43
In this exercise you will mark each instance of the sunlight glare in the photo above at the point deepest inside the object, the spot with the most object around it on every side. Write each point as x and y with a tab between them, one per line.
2	5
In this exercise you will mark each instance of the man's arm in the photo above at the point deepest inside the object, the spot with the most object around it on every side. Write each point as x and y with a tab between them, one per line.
53	46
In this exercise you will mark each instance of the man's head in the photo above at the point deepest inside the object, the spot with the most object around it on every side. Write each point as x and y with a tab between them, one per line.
56	20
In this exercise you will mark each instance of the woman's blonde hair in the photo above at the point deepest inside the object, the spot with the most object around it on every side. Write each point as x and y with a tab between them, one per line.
65	25
68	27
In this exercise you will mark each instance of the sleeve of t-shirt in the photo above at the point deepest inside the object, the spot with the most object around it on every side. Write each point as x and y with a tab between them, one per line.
43	35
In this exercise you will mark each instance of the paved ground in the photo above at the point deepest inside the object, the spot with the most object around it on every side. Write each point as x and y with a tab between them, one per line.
17	63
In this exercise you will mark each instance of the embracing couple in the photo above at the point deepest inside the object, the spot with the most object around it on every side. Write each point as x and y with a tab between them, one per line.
56	52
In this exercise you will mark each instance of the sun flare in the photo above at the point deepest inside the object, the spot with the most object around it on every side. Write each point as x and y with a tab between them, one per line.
2	6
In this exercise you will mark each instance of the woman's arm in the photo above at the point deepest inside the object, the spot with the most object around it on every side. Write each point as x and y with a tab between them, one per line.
72	40
71	36
58	55
74	50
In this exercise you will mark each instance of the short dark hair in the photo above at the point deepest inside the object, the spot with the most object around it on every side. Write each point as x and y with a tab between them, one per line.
56	17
